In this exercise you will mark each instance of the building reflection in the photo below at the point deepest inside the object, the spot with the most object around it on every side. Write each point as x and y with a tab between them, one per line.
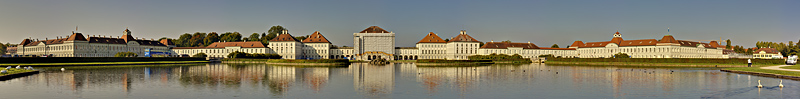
373	80
462	78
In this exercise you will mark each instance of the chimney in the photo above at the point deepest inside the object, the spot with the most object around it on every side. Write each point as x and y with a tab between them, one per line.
463	31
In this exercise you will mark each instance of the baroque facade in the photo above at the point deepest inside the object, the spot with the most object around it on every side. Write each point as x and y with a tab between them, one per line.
77	45
666	47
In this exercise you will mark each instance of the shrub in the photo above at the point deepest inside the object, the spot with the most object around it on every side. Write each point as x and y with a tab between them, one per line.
126	54
200	55
238	54
621	55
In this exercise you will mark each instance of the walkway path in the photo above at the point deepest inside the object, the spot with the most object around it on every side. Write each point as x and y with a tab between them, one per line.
779	68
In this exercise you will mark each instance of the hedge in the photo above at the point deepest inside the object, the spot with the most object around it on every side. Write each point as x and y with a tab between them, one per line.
290	60
449	61
670	60
92	59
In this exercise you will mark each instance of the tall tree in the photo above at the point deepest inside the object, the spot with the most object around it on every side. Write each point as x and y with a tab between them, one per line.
728	44
196	40
183	39
554	46
264	38
211	38
231	37
276	29
3	49
301	38
254	37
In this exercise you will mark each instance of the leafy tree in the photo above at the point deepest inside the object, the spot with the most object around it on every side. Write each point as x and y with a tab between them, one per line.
301	38
125	54
3	49
196	40
183	39
231	37
200	55
275	30
254	37
728	44
446	40
507	41
621	55
211	38
265	39
554	46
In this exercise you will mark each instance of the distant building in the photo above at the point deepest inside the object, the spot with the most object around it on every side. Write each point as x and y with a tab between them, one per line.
11	50
526	50
767	53
76	45
222	49
374	43
667	47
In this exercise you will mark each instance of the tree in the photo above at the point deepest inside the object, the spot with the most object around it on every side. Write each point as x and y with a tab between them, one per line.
254	37
211	38
301	38
554	46
728	44
162	38
275	30
125	54
183	39
3	49
196	40
231	37
446	40
264	39
621	55
200	55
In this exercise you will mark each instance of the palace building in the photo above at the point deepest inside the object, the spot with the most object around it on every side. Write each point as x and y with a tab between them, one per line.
376	43
666	47
77	45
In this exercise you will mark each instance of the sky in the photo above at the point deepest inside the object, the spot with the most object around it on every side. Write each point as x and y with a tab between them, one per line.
542	22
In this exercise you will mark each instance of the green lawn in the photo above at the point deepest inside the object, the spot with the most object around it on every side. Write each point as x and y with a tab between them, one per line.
95	63
792	67
14	71
666	64
759	70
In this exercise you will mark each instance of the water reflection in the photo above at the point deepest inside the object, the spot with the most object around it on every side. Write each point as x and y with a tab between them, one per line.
403	80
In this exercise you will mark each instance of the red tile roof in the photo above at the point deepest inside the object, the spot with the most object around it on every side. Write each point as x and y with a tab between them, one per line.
374	29
167	42
643	42
249	44
463	38
504	45
577	44
284	37
431	38
316	37
556	48
767	50
668	39
76	37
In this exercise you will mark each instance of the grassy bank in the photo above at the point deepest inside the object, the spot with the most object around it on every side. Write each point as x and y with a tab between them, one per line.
99	63
672	60
652	64
792	67
287	60
14	71
766	71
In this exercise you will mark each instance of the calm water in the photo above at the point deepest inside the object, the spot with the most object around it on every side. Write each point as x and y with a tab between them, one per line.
224	81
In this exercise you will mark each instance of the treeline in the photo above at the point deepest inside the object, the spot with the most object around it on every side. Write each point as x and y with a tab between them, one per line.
786	49
200	39
494	56
238	54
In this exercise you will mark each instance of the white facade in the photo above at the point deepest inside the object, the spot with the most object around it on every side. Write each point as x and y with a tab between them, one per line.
667	47
76	45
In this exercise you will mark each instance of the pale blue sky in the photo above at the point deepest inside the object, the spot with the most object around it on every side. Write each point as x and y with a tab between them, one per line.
541	22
